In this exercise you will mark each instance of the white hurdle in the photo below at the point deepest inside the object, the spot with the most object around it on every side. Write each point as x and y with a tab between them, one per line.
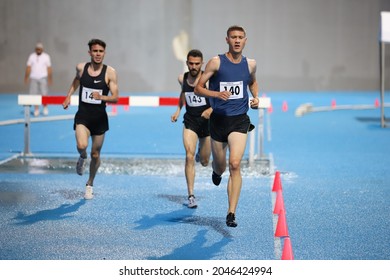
384	39
264	103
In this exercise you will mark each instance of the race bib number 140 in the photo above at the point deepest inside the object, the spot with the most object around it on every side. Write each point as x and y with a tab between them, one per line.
86	95
235	88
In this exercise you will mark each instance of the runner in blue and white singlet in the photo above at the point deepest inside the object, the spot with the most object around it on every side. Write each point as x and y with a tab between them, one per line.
229	76
234	78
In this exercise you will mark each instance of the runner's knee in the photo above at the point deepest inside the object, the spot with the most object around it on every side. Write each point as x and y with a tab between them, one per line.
204	161
95	154
234	165
82	145
190	157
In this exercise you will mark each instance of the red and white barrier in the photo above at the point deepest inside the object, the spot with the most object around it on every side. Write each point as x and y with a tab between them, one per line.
27	100
137	101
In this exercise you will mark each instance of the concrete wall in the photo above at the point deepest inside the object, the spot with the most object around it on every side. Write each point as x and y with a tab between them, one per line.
305	45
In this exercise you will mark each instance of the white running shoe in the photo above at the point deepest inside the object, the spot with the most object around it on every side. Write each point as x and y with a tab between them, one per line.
88	192
36	113
80	166
45	111
192	202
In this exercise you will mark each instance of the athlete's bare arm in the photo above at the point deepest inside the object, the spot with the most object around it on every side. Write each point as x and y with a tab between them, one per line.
112	82
253	86
75	84
211	68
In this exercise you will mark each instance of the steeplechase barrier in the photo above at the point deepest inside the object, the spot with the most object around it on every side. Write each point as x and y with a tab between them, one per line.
134	101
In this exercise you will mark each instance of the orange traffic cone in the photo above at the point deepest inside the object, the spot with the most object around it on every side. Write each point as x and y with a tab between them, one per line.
281	226
279	203
277	183
287	253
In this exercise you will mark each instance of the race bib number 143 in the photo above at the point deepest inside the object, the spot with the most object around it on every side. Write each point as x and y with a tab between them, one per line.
193	100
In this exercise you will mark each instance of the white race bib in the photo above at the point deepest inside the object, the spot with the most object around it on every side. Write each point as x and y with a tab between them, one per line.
86	95
193	100
235	88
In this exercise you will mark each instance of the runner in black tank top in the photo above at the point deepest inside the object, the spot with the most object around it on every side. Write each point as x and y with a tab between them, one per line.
195	106
95	81
196	122
92	113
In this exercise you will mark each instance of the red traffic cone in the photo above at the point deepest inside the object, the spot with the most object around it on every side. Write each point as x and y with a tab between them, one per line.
277	183
279	203
376	103
114	109
284	106
287	253
281	226
270	109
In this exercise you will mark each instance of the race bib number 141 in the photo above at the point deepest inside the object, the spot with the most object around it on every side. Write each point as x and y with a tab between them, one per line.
86	95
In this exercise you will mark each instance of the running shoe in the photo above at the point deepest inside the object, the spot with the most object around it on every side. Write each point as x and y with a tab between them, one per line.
36	113
231	220
45	111
197	157
88	192
80	166
192	202
216	178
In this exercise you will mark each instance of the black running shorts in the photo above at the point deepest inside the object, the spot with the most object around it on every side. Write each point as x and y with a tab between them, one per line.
199	125
221	126
97	125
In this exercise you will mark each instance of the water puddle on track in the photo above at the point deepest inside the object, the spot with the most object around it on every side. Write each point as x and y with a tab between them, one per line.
169	167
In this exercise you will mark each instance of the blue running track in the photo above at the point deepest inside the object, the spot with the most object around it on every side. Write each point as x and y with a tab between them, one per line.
334	170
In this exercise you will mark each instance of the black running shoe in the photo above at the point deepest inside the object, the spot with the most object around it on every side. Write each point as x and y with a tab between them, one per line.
197	157
231	220
216	178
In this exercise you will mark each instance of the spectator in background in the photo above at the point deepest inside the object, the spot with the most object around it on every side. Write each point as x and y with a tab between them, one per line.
39	75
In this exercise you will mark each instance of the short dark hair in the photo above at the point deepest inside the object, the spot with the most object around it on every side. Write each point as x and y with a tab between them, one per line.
195	53
235	28
96	42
